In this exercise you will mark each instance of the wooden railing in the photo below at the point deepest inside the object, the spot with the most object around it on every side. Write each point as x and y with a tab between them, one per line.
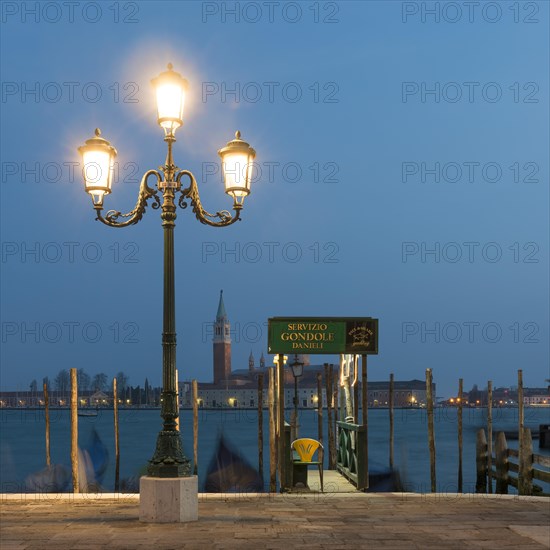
351	455
509	466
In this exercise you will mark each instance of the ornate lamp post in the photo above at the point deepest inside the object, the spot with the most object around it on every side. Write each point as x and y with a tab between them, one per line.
237	157
297	371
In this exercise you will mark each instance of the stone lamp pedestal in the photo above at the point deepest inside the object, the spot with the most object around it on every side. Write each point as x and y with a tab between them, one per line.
168	500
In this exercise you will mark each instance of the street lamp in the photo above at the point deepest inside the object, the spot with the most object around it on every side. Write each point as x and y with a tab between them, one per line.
297	371
98	157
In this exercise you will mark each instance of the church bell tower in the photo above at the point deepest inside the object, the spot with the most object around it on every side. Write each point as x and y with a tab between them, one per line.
222	345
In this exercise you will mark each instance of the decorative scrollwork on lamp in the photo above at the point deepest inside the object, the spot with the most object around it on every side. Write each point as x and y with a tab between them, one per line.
135	215
192	193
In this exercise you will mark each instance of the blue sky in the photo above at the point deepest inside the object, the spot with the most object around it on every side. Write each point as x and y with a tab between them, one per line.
383	132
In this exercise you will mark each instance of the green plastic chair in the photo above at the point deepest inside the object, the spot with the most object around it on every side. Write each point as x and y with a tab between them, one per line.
306	449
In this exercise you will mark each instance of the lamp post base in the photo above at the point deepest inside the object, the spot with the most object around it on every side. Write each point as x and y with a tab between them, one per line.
168	500
169	460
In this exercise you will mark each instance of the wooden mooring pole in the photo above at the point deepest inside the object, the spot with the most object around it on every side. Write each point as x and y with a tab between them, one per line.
117	447
281	419
490	437
195	394
501	463
365	412
272	432
459	418
330	435
481	461
339	400
338	412
74	430
320	414
390	406
261	425
525	471
355	391
431	434
521	425
176	385
47	418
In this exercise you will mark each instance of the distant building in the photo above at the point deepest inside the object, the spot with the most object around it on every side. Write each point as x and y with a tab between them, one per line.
408	394
99	399
222	346
86	398
536	399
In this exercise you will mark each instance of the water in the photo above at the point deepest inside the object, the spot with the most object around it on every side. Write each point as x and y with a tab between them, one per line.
22	441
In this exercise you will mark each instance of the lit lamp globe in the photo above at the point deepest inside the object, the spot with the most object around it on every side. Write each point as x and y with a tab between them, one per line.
237	159
98	159
170	88
297	369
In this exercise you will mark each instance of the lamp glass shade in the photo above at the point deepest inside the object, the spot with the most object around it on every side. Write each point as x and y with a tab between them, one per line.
236	169
170	103
297	369
170	88
237	159
98	159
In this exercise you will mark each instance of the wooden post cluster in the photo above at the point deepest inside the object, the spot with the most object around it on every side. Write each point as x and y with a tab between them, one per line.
525	467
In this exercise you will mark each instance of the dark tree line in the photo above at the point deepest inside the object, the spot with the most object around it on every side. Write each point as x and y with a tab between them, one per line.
138	395
97	382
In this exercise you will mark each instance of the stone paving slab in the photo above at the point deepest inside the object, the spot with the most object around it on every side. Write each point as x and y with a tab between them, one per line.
334	521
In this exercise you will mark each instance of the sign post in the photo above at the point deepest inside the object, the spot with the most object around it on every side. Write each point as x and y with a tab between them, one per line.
281	412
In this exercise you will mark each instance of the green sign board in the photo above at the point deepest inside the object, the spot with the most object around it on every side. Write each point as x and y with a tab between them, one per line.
323	335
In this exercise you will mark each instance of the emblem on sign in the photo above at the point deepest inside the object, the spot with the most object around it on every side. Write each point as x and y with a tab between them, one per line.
361	336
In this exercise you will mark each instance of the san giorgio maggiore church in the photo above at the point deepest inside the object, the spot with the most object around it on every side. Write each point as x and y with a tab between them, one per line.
239	388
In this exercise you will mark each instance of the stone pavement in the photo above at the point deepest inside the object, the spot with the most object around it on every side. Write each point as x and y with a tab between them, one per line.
299	521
